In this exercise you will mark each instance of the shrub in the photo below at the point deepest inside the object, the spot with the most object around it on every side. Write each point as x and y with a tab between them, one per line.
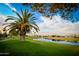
3	36
75	41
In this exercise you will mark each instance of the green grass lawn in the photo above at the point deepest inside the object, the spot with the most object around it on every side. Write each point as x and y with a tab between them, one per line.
37	48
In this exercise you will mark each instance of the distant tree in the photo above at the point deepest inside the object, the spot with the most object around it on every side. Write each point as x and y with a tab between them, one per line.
5	32
3	35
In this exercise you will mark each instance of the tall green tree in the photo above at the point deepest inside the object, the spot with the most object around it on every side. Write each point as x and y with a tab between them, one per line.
22	24
50	9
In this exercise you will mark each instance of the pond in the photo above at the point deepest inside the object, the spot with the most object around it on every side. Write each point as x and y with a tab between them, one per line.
61	42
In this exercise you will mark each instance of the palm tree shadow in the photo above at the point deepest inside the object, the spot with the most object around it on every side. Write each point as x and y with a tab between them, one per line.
3	48
21	48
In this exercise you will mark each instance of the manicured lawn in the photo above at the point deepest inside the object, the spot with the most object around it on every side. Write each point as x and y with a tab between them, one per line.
37	48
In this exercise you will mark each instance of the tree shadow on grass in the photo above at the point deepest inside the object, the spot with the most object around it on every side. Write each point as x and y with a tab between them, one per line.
19	48
29	48
3	48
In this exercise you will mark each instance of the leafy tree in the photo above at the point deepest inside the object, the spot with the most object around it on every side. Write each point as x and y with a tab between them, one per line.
49	9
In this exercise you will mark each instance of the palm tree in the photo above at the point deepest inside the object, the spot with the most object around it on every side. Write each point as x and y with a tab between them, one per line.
22	24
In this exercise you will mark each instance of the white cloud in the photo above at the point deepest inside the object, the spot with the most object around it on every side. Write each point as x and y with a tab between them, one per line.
55	26
2	19
58	26
11	7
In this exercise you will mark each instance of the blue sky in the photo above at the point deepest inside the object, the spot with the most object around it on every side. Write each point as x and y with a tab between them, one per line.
55	26
7	10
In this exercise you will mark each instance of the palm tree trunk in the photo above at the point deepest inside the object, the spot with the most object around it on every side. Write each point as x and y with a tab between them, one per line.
22	36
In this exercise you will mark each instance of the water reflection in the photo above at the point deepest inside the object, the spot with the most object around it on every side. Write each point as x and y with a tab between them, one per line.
56	41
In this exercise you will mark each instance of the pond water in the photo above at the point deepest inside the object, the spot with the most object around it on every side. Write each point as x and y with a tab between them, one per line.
61	42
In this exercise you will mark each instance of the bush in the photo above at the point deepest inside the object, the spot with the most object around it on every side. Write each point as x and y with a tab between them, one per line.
3	36
75	41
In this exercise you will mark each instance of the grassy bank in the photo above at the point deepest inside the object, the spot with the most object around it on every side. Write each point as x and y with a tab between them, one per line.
36	48
65	39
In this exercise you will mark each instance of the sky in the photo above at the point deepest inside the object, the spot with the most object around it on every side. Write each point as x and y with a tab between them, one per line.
55	26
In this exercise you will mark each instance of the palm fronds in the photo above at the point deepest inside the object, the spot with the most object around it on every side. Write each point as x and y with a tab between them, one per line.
24	22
